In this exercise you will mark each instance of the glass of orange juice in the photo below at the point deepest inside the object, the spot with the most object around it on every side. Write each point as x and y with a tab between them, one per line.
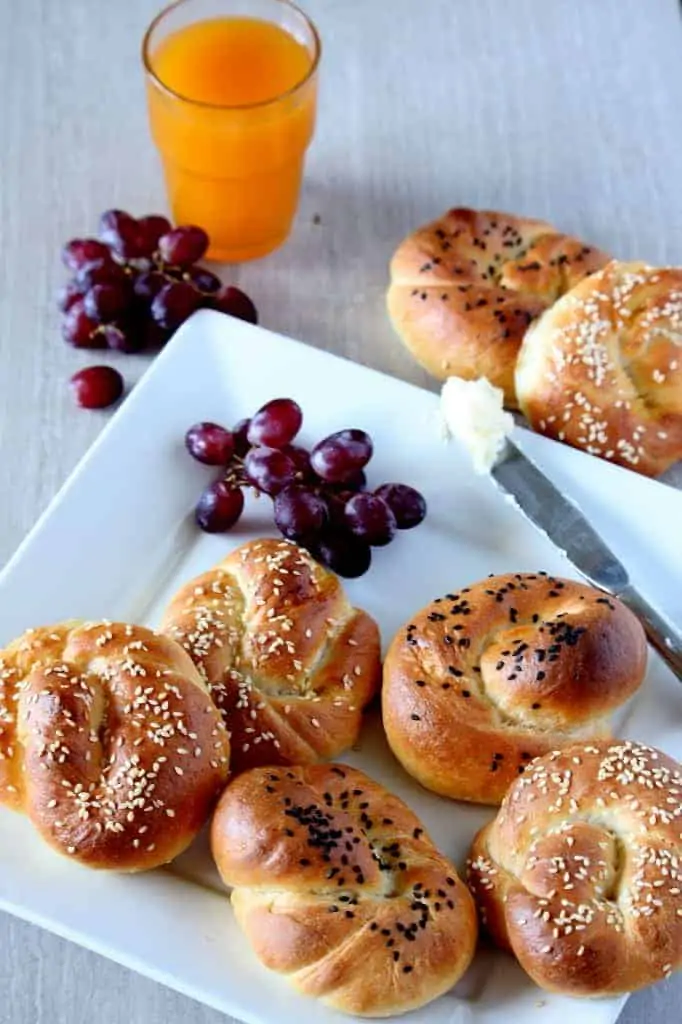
231	90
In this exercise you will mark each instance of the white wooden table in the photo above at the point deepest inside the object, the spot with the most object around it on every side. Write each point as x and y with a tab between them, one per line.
566	110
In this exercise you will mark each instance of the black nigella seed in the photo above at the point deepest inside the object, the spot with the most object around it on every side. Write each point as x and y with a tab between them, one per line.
374	926
420	682
449	881
445	686
448	640
288	832
456	672
451	905
464	642
387	821
349	914
494	766
535	706
304	862
396	956
415	718
465	693
499	666
386	932
407	969
339	771
540	676
418	832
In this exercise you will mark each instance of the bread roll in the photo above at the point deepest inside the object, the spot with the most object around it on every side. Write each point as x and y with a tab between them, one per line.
338	887
602	369
288	660
580	874
483	680
109	742
465	287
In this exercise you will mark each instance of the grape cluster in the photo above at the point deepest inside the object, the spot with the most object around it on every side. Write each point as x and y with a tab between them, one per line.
135	284
319	497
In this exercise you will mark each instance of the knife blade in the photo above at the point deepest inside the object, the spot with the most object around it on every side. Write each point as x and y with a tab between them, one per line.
561	520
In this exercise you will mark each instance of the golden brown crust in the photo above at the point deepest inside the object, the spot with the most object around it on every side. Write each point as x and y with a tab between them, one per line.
580	873
109	742
465	287
337	886
602	369
483	680
289	662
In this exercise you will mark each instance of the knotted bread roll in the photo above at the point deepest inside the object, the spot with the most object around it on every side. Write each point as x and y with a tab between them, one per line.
109	742
289	662
483	680
337	886
602	369
465	287
580	873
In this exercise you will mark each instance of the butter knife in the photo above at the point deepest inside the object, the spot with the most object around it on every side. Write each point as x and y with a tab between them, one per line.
565	525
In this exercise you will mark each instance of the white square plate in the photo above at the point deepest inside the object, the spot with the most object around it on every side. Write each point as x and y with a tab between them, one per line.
118	540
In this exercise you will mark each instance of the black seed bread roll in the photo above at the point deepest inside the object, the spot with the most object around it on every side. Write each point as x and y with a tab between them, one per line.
337	886
483	680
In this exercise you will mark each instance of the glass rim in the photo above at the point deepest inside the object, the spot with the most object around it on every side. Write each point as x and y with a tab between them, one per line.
147	62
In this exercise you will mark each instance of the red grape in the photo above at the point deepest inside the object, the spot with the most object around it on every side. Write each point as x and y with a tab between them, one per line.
299	513
106	302
276	423
357	482
370	519
337	458
343	554
205	281
128	338
150	230
241	441
153	335
301	460
122	234
219	507
101	271
183	246
67	295
269	469
79	329
174	303
148	284
407	505
96	387
235	303
80	251
210	443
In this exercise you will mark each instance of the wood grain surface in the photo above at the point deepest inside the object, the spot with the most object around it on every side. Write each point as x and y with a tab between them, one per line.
567	110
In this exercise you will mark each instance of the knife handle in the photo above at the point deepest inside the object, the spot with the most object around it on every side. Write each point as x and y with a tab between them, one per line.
660	632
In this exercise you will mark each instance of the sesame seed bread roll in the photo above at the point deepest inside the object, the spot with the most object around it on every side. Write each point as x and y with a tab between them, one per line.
337	886
483	680
109	742
602	369
288	660
465	287
580	874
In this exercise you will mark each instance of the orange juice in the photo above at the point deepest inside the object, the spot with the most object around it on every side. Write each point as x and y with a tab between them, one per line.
232	110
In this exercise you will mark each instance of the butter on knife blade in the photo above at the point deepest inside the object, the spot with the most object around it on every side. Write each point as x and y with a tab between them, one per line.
473	415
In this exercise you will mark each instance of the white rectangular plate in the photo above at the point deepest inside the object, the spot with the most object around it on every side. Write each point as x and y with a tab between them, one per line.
119	539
